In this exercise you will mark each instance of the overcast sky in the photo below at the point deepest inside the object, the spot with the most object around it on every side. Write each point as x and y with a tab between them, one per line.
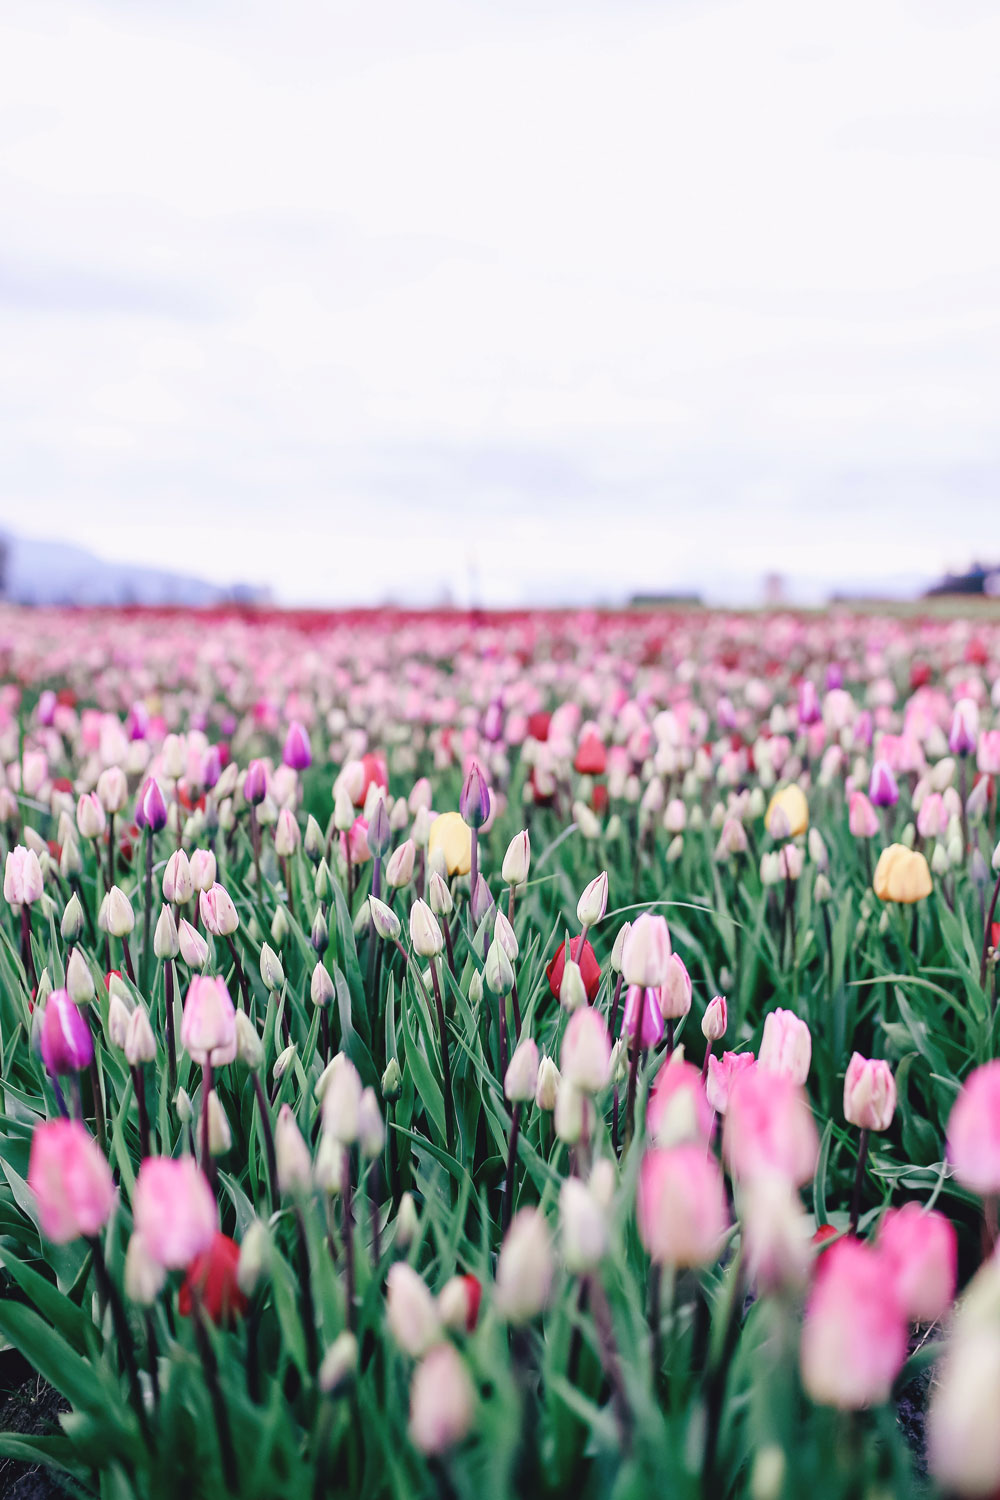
532	298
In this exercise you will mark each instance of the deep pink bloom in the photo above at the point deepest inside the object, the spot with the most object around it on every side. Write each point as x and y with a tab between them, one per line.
769	1128
71	1181
298	751
921	1251
988	752
854	1337
174	1210
255	783
642	1014
722	1074
974	1131
64	1038
356	842
681	1205
883	789
150	807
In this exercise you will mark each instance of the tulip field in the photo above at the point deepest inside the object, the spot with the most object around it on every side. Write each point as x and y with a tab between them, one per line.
529	1054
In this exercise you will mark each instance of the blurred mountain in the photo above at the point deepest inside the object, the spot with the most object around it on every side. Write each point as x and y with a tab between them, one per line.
44	572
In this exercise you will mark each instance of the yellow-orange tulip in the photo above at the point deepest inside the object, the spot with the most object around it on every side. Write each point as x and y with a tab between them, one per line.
452	835
791	800
901	875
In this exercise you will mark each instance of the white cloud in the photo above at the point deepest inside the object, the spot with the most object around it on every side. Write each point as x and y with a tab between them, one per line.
340	295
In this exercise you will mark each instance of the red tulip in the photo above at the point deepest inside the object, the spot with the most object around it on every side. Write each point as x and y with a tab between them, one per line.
212	1274
589	967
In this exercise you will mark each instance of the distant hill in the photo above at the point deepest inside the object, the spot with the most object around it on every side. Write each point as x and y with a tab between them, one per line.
42	572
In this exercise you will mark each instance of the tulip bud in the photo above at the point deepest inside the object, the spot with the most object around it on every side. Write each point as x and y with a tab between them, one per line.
140	1043
399	868
292	1154
619	946
90	816
255	1257
425	934
249	1047
384	920
72	920
220	1136
570	1115
646	953
321	988
118	1019
178	882
474	802
525	1267
583	1227
572	990
411	1311
517	860
144	1276
407	1222
183	1106
715	1020
499	971
442	1401
441	902
284	1061
271	970
339	1363
342	1101
586	821
65	1041
79	979
116	916
218	912
476	988
503	933
392	1082
371	1127
869	1093
594	902
343	811
165	941
522	1073
585	1057
193	947
547	1087
314	844
322	881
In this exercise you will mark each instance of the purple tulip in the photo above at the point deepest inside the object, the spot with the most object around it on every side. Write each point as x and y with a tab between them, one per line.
298	752
65	1041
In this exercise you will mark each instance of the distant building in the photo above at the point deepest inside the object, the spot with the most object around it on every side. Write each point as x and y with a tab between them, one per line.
980	578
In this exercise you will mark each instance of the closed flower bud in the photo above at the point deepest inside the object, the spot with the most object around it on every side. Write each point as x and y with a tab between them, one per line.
517	860
371	1126
255	1257
271	970
499	971
411	1311
392	1082
193	947
675	993
292	1154
140	1043
144	1277
854	1337
79	979
284	1061
183	1106
72	919
584	1230
379	833
112	789
822	890
286	834
321	989
178	882
585	1058
572	989
586	821
503	933
425	934
249	1047
570	1117
474	802
218	912
522	1072
619	947
90	816
339	1363
255	783
715	1020
547	1087
681	1205
208	1028
441	902
220	1136
407	1222
314	844
593	903
788	813
279	926
116	916
342	1101
64	1039
646	953
399	868
442	1401
869	1093
119	1013
525	1267
458	1303
165	941
786	1046
330	1165
384	920
476	987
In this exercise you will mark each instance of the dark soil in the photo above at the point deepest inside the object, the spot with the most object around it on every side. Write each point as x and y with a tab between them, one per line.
28	1406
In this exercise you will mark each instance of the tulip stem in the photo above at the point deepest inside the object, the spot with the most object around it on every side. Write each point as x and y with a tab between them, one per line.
99	1125
26	955
127	954
611	1360
373	1211
308	1305
139	1085
153	1355
633	1078
502	1027
715	1385
449	1102
859	1177
268	1134
108	1293
111	850
347	1229
241	977
656	1318
473	869
168	980
507	1206
207	1162
987	929
255	840
224	1432
147	914
449	945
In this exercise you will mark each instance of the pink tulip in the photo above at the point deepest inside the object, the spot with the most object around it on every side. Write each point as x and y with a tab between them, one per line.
786	1046
722	1074
585	1057
932	819
218	911
678	1106
988	752
173	1210
642	1015
921	1251
356	842
675	994
22	877
964	727
854	1338
681	1206
869	1093
208	1027
71	1181
65	1041
769	1128
862	817
974	1131
647	952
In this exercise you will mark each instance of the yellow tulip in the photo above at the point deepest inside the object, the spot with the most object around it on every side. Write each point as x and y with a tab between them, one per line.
791	800
901	875
452	835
